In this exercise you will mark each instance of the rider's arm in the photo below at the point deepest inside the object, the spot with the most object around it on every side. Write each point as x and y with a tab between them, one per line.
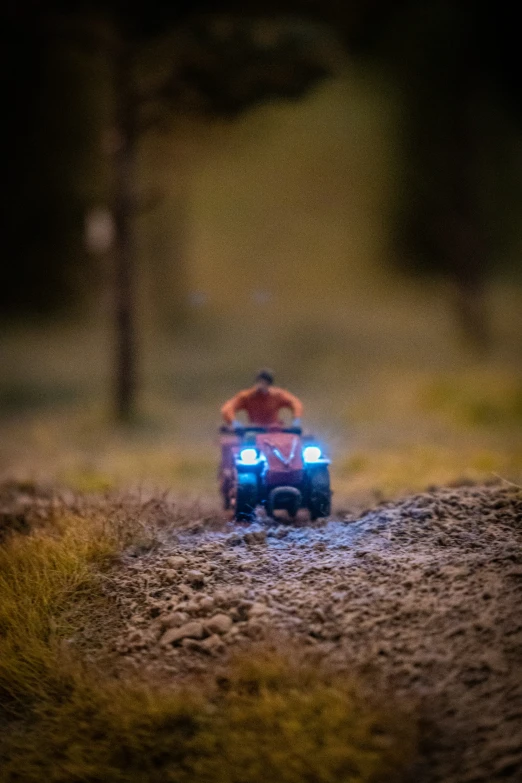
230	408
288	400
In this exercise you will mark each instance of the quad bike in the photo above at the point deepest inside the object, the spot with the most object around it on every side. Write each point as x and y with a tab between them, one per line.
276	468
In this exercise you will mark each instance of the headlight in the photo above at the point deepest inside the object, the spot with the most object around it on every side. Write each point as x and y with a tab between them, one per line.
312	454
248	456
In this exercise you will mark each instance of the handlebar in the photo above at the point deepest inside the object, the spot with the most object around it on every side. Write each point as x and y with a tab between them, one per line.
242	430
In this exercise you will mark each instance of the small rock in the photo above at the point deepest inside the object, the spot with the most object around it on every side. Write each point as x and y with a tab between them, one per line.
213	645
219	623
206	602
177	561
191	644
254	629
173	620
246	565
234	632
195	578
255	537
193	630
257	609
229	557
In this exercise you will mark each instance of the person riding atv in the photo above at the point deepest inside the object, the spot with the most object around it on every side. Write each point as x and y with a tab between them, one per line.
262	403
267	464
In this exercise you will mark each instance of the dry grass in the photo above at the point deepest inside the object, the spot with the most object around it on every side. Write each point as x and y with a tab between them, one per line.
269	718
41	576
271	721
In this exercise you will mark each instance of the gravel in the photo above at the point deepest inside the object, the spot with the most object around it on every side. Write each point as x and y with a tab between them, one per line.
423	596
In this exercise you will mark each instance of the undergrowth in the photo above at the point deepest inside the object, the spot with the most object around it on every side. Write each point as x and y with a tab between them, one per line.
267	719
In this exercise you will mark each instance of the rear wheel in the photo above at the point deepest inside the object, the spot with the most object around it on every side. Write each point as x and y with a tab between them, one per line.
320	494
226	493
246	496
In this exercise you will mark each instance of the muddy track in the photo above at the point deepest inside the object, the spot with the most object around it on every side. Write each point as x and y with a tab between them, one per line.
423	596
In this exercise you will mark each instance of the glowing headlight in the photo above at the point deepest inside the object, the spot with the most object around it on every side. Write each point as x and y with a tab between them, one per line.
311	454
248	456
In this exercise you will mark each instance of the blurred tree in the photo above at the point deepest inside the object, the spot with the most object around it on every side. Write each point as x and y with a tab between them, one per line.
220	68
456	69
50	153
210	65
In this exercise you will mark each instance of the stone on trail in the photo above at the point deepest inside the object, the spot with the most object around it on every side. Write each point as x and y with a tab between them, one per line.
177	561
255	537
219	623
213	645
257	609
206	602
173	620
193	630
195	578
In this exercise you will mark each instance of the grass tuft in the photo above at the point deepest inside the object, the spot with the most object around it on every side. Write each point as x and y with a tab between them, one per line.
41	577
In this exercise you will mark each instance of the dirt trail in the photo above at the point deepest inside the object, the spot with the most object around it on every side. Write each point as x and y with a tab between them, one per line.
424	596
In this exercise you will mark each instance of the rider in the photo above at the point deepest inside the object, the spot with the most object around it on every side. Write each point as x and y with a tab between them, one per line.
262	402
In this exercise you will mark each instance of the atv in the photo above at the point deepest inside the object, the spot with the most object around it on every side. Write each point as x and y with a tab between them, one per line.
276	468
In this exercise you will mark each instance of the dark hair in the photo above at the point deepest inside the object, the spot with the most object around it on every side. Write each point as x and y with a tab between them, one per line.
265	375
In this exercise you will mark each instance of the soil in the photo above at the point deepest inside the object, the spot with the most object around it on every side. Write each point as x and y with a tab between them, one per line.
422	596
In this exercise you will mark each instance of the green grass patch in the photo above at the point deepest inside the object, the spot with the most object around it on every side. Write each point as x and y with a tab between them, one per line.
87	480
483	399
270	717
395	472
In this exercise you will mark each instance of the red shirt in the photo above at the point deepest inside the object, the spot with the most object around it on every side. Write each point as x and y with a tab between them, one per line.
262	408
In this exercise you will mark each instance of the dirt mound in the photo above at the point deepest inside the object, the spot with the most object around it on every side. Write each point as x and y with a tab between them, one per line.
423	595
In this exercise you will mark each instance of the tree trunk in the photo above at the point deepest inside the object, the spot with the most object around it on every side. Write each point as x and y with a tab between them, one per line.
125	382
466	249
472	312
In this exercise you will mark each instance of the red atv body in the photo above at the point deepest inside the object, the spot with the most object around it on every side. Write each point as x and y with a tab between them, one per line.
275	468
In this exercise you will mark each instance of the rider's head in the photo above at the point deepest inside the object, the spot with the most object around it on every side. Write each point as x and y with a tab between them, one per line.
264	379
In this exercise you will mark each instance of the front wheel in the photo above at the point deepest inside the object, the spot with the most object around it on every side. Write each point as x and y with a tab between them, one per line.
320	504
246	496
